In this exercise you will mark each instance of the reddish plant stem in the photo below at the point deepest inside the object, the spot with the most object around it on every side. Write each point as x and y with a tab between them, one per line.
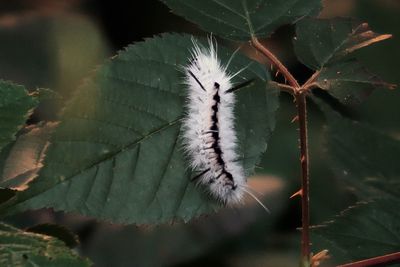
286	88
377	261
300	95
276	62
305	199
311	81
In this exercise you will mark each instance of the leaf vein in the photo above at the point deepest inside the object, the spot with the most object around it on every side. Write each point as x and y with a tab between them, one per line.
230	9
129	146
214	18
140	83
164	171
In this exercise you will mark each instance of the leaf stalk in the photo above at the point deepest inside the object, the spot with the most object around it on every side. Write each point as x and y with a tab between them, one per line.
305	198
276	62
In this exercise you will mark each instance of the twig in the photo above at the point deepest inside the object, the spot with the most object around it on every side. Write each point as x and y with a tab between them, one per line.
305	199
309	86
286	88
377	261
299	92
276	62
311	80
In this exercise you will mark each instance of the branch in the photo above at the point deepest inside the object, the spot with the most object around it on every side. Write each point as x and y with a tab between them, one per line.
309	86
276	62
377	261
286	88
300	95
311	82
305	199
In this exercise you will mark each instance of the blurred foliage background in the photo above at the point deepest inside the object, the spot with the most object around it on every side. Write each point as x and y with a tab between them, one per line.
56	44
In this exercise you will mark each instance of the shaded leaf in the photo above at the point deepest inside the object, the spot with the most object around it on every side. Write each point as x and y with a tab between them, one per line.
241	19
58	231
24	157
320	42
382	60
116	154
363	157
349	82
6	194
19	248
251	232
15	107
365	230
366	160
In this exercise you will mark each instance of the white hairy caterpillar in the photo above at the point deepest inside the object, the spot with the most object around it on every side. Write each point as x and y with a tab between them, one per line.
208	128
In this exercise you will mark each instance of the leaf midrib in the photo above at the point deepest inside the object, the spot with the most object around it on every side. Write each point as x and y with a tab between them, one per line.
339	47
112	155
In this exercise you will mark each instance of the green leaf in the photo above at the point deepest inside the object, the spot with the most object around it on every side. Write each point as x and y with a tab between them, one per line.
320	42
131	246
19	248
349	82
15	107
382	60
323	44
364	231
58	231
366	161
117	155
363	157
242	19
21	160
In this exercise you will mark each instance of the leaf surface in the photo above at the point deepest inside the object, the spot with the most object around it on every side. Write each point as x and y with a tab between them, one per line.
58	231
364	231
15	107
117	154
326	45
320	42
363	157
349	82
21	160
19	248
242	19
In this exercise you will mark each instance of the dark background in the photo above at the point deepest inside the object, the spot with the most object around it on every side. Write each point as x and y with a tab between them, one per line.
55	44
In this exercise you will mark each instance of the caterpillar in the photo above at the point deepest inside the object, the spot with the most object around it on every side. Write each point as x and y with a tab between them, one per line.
209	135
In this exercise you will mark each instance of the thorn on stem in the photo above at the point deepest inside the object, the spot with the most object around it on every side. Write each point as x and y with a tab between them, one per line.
295	118
319	257
298	193
303	158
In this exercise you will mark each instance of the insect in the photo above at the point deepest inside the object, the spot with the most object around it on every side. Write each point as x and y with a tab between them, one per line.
208	128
